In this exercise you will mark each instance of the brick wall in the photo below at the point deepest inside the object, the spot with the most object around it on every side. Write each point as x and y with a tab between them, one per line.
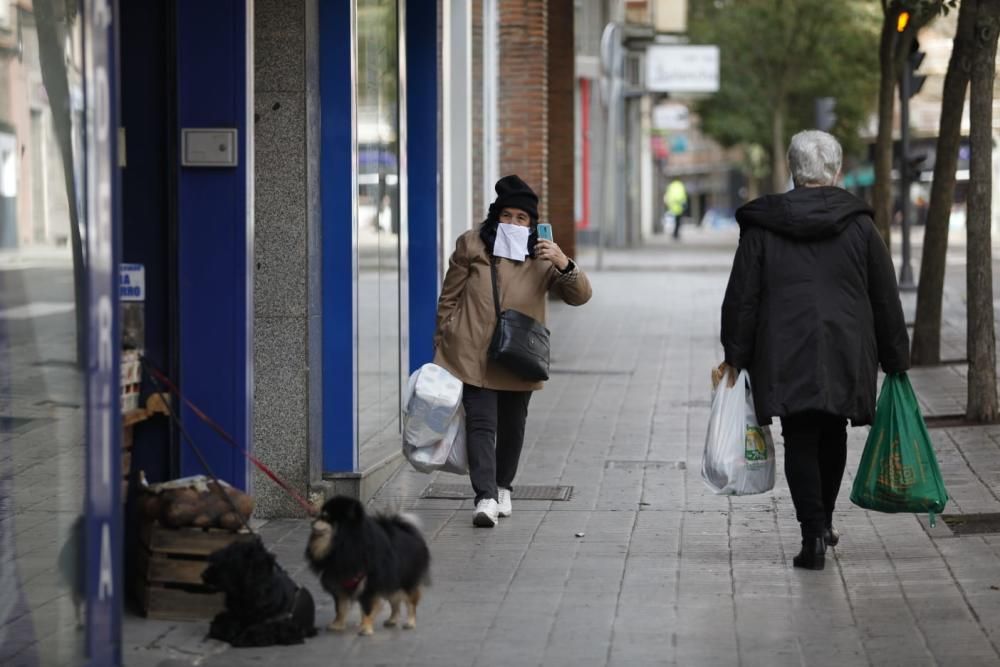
536	105
523	97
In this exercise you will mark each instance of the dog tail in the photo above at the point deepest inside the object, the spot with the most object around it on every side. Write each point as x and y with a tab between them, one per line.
411	520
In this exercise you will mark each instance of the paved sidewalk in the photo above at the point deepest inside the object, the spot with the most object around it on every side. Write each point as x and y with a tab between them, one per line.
644	566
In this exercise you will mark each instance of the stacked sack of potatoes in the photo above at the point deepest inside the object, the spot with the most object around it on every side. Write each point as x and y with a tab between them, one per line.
195	502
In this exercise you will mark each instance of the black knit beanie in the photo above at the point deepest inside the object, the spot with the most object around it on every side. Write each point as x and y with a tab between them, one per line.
512	192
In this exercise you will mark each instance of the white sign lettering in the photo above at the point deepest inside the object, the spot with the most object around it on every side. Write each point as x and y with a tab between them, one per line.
132	282
678	68
671	116
106	581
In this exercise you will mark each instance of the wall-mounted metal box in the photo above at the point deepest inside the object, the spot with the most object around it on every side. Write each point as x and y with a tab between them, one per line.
209	147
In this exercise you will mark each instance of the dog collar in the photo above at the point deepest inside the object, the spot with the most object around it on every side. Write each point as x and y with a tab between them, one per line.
290	612
353	582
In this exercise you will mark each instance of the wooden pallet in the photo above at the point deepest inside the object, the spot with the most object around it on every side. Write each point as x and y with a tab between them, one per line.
169	566
156	404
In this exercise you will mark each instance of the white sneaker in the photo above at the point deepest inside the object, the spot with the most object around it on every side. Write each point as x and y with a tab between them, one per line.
486	513
503	502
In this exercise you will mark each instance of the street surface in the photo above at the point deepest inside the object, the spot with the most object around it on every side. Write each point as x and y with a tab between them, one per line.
643	565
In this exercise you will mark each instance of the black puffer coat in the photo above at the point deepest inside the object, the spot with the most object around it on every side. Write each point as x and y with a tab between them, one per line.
812	305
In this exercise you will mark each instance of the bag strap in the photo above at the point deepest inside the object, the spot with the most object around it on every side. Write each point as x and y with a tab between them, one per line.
496	292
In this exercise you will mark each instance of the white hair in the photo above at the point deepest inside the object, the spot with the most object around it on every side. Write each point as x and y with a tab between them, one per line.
814	158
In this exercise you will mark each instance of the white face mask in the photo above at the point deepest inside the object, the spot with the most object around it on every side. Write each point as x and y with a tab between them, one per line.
512	242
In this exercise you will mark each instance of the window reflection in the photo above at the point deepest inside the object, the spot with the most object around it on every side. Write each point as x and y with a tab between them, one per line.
41	291
378	229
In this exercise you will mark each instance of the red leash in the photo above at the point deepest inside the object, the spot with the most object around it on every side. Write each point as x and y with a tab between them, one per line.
153	370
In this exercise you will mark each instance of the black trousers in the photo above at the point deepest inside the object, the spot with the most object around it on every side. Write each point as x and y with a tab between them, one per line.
494	435
815	456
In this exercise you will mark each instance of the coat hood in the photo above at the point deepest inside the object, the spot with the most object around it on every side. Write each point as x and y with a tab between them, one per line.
804	213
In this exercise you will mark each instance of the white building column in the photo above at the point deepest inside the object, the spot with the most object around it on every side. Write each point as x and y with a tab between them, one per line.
456	129
491	91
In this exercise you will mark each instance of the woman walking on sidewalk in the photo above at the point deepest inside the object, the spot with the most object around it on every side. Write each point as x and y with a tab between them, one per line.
494	398
811	309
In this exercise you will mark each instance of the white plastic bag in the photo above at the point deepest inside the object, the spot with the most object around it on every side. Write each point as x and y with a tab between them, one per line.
739	452
434	421
431	401
447	454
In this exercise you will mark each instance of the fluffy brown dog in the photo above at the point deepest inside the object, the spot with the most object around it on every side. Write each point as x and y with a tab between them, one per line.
368	559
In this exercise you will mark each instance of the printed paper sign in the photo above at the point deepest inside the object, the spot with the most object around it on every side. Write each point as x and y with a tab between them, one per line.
132	282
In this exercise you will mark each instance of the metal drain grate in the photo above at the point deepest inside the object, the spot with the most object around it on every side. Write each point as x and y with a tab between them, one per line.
972	524
953	421
587	371
519	492
644	465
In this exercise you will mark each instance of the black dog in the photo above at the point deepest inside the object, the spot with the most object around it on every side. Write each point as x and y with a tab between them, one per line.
368	559
263	605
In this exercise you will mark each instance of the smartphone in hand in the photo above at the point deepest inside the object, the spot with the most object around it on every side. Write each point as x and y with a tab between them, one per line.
545	231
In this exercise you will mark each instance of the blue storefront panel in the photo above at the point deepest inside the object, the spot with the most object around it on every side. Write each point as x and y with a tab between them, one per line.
378	89
104	518
339	248
422	150
213	237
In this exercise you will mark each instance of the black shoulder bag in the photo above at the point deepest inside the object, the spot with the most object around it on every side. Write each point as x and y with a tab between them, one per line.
520	343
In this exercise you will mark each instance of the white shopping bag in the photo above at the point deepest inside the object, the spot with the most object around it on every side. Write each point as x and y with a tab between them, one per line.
447	454
739	452
431	400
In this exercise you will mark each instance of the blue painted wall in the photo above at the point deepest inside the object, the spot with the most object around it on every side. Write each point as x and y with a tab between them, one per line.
421	119
212	234
336	165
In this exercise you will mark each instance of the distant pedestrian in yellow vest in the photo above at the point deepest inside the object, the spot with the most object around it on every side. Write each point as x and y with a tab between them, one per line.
676	200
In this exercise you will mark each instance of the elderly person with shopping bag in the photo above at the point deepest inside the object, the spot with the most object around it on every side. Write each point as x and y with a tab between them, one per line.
811	310
491	335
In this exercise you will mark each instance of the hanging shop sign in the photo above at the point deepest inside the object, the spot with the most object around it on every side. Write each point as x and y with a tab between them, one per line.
677	68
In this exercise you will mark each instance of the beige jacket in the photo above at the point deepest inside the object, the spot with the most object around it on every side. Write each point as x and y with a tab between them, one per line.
466	316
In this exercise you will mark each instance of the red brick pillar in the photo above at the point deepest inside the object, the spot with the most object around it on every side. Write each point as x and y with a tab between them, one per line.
478	205
523	97
536	120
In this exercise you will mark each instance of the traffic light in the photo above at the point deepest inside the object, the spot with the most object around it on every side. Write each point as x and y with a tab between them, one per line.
902	20
915	81
913	60
913	165
909	165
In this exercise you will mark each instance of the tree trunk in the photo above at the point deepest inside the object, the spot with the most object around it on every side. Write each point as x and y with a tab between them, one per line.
50	56
982	405
779	168
927	326
882	194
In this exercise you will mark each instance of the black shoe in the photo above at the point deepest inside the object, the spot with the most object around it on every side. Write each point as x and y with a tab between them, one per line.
813	554
831	536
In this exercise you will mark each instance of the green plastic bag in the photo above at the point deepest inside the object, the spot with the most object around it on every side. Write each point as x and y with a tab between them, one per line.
898	470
